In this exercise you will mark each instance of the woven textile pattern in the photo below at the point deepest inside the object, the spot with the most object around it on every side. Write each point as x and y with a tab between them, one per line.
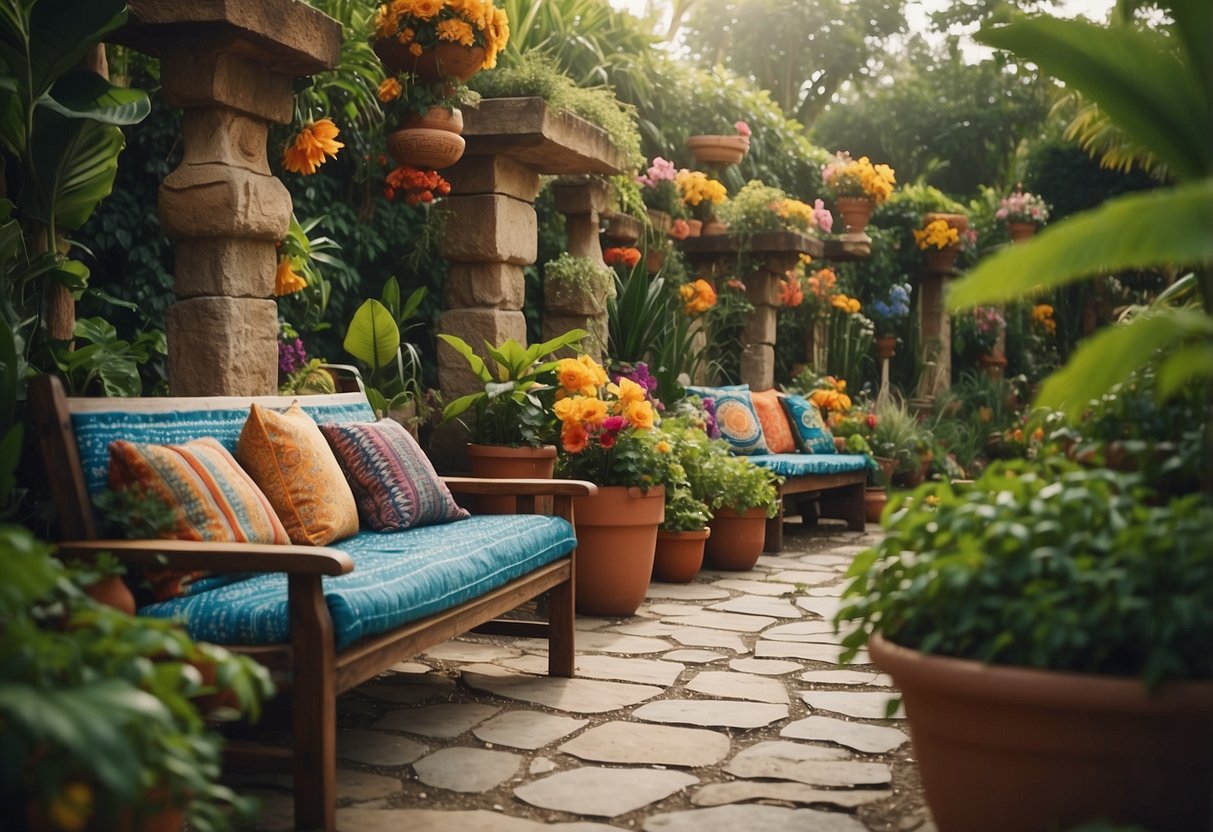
797	465
394	483
815	437
736	418
775	428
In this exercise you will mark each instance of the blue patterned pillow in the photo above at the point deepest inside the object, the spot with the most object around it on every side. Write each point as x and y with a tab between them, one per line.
393	481
736	417
815	437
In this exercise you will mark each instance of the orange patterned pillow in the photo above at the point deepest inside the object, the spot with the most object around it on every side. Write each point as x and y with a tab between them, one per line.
774	423
287	456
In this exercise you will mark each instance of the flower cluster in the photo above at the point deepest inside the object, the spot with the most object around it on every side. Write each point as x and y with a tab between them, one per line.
658	190
936	233
831	395
791	291
622	255
697	297
695	188
979	330
886	312
291	355
844	176
851	306
680	229
421	25
795	214
417	185
1042	318
639	373
1023	207
743	129
314	144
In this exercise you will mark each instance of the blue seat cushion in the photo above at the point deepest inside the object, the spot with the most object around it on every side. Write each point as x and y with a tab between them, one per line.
398	577
799	465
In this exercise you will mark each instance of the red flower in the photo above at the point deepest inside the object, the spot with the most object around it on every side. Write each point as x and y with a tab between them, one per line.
607	440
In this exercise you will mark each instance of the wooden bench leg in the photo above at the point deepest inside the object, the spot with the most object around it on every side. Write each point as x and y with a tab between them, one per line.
774	533
561	627
314	726
855	518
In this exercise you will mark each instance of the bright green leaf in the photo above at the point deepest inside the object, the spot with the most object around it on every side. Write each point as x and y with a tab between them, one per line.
1185	366
373	336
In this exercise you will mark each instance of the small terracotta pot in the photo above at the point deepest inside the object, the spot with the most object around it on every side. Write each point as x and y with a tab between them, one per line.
714	227
423	147
993	364
616	541
661	221
499	462
446	60
727	150
874	501
679	555
941	260
855	212
1021	231
449	119
113	592
696	227
886	347
737	539
840	444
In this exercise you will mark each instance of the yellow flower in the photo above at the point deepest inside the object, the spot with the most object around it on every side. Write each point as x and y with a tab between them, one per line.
415	49
696	188
937	233
566	410
985	414
593	411
663	447
389	90
286	281
697	297
425	9
456	31
575	377
312	146
598	376
640	414
627	391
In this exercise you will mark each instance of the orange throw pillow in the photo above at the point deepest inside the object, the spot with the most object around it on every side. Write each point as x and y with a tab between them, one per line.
774	423
288	457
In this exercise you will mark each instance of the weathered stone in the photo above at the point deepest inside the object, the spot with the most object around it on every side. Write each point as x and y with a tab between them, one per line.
467	769
580	696
492	229
764	667
637	744
434	820
699	637
556	324
722	683
811	630
817	765
233	267
721	714
195	76
221	201
772	588
752	818
827	608
614	668
586	297
758	366
377	748
693	656
736	622
757	605
544	139
847	677
474	326
603	792
742	791
862	705
872	739
222	347
445	720
805	576
458	650
759	326
581	194
606	642
493	174
685	592
644	628
406	690
223	136
798	650
362	785
526	729
489	285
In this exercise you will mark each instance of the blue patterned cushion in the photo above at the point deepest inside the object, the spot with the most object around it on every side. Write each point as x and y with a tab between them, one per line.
736	417
394	483
815	437
398	577
221	418
798	465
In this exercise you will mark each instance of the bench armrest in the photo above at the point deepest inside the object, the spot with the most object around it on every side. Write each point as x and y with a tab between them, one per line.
520	487
220	557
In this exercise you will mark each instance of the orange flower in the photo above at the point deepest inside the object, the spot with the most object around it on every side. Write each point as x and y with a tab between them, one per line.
574	437
593	412
575	377
626	255
627	391
680	230
286	282
640	414
312	145
389	90
697	297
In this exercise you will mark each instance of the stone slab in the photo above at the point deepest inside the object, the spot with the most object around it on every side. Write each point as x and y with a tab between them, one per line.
493	285
870	739
727	685
798	630
215	200
709	713
530	132
699	637
603	642
580	696
445	720
765	649
773	588
645	628
493	174
685	592
805	577
471	651
732	621
469	770
526	729
603	792
694	656
846	677
744	791
361	786
613	668
827	608
862	705
405	690
493	229
764	667
814	765
632	743
377	748
435	820
759	605
752	818
222	346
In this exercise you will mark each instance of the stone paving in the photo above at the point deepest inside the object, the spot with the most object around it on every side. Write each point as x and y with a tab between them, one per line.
719	707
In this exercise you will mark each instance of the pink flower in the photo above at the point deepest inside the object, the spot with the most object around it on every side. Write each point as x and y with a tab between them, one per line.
614	424
660	171
825	220
743	129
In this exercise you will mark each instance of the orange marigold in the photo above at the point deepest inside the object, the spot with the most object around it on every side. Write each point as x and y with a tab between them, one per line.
286	281
312	146
574	437
389	90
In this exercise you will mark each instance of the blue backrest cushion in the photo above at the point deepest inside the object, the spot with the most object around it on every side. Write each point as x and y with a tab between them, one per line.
806	419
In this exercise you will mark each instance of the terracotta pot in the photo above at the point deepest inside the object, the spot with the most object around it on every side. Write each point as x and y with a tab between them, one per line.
449	119
679	555
1006	749
616	542
1021	231
941	260
500	462
654	259
696	227
840	444
727	150
622	229
425	148
886	347
886	466
113	592
993	364
737	539
661	221
446	60
874	501
714	227
855	212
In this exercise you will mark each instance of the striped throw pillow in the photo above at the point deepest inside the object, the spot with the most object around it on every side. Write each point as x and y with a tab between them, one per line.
394	483
214	499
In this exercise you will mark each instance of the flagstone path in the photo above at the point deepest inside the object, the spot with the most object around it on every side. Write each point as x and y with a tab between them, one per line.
719	707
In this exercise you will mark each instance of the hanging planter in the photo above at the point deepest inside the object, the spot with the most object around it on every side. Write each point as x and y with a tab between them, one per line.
856	212
445	60
425	148
719	150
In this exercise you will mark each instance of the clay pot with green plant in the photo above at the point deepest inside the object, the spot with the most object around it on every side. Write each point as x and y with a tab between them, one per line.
681	537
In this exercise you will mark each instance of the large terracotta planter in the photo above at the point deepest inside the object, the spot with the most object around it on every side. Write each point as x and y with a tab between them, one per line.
855	212
719	150
616	540
500	462
737	539
1005	749
446	60
679	555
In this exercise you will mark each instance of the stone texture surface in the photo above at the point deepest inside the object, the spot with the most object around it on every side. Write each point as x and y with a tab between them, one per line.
816	766
633	743
871	739
467	769
526	729
752	819
757	605
488	285
725	685
613	668
764	667
491	229
579	696
377	748
735	622
603	792
723	714
495	174
215	200
234	267
446	720
686	592
221	346
863	705
744	791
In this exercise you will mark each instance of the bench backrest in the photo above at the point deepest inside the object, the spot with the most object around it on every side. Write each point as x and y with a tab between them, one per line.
76	434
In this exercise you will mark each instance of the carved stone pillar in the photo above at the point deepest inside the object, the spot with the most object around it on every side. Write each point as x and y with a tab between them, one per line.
582	200
231	67
936	328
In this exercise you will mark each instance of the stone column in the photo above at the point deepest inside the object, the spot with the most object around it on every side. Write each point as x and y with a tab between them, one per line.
582	200
936	329
231	67
758	337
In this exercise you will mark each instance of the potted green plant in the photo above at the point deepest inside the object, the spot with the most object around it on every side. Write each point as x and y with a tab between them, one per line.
1049	628
897	436
684	532
102	726
1023	213
374	338
758	208
578	286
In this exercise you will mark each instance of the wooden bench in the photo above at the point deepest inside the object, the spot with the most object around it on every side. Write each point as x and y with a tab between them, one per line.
317	670
829	493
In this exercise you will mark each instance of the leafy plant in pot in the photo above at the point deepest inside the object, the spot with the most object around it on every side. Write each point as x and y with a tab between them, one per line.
684	532
374	339
1048	627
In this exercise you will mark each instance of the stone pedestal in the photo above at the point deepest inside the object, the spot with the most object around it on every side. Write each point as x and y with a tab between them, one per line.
581	199
936	329
769	255
231	67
